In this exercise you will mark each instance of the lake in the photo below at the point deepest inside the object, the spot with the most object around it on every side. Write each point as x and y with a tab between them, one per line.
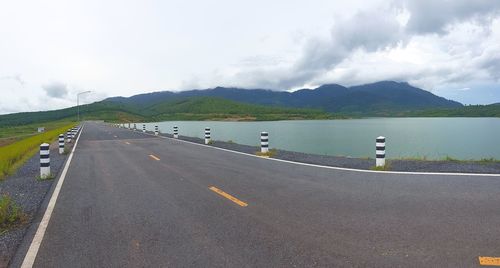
432	138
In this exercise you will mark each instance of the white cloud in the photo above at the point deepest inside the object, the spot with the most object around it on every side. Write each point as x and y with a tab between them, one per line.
127	47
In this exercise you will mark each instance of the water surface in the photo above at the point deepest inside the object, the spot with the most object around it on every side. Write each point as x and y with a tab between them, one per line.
432	138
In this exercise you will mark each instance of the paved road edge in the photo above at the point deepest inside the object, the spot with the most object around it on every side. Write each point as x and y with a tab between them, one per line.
29	258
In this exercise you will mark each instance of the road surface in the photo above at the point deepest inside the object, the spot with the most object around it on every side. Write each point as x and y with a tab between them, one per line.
133	200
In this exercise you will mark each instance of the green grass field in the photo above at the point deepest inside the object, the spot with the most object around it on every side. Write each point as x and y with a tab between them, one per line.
11	134
16	153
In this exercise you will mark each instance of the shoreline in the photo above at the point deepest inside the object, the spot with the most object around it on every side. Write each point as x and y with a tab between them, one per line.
346	117
404	165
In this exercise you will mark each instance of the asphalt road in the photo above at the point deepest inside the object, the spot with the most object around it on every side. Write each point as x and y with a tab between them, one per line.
132	200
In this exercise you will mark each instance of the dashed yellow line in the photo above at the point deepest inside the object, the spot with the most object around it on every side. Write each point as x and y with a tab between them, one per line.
154	157
489	261
228	196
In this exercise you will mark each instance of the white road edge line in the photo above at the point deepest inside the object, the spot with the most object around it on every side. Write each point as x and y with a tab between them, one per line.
337	168
29	259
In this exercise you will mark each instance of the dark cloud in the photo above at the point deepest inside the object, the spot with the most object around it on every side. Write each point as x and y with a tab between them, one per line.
367	30
56	90
431	16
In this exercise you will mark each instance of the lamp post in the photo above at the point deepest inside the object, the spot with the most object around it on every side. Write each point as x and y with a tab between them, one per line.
78	102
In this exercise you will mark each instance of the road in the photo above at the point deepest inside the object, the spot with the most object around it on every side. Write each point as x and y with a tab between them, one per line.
133	200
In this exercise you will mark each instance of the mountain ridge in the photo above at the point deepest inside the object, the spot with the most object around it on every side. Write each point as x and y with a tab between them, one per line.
374	98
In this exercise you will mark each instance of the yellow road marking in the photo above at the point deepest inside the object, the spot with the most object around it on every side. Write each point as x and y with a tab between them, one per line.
490	261
154	157
228	196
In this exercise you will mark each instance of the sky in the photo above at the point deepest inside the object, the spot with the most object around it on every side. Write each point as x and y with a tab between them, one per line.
50	50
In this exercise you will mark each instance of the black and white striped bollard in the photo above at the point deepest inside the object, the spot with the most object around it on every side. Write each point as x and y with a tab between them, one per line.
128	125
68	136
156	130
61	143
176	132
380	152
135	127
44	161
207	135
264	142
143	128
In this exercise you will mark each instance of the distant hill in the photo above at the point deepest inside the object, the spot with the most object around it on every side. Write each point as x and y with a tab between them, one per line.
492	110
188	108
385	98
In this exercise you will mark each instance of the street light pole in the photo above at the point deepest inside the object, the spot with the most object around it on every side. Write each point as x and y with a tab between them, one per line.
78	102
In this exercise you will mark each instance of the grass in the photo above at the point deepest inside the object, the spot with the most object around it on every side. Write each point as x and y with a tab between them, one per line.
11	134
49	177
15	154
387	167
490	160
270	153
10	213
448	158
451	159
483	161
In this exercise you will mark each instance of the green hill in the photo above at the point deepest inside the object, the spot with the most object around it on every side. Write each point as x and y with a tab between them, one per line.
206	108
492	110
194	108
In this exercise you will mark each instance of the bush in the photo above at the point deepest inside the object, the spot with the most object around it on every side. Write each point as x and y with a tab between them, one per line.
10	213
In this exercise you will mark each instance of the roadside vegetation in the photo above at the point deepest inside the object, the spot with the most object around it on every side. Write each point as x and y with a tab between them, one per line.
448	158
387	167
15	154
10	213
270	153
11	134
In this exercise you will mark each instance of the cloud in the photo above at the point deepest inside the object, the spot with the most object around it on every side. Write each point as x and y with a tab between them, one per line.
430	43
433	44
56	90
431	16
16	78
368	30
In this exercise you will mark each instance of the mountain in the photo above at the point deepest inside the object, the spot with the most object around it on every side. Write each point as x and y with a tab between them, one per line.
386	98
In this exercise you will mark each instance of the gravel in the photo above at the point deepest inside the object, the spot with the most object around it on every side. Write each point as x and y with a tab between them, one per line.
27	192
363	163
